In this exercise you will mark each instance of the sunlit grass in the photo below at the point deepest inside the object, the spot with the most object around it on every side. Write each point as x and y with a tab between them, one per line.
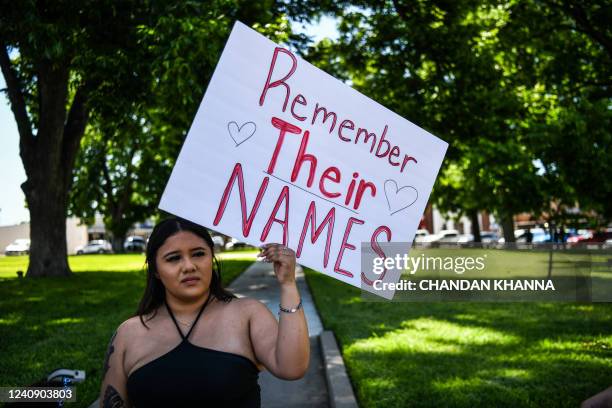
468	354
9	265
246	254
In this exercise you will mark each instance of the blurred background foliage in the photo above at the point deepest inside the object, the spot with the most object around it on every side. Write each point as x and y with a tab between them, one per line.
520	90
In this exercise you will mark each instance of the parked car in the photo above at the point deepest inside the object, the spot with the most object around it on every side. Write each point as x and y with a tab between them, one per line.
134	244
579	235
420	235
538	236
98	246
235	244
18	247
449	236
218	242
597	237
444	236
465	238
486	237
489	236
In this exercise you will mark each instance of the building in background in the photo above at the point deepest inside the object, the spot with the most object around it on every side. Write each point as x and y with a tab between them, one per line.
434	221
77	234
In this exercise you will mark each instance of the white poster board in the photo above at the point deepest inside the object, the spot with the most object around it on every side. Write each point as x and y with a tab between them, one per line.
280	151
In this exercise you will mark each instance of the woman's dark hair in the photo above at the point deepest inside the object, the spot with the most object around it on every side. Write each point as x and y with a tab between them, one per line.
155	293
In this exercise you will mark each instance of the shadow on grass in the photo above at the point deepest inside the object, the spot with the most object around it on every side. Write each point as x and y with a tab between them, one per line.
63	323
468	354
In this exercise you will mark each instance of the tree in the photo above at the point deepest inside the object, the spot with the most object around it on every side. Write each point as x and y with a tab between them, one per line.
499	81
115	172
437	63
566	72
60	60
126	157
66	61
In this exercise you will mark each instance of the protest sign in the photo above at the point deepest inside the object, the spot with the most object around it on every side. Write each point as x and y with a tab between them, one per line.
280	151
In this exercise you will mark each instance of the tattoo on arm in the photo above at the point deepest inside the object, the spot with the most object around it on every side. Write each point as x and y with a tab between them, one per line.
109	351
112	399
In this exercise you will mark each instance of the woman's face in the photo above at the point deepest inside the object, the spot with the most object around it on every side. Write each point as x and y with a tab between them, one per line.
184	265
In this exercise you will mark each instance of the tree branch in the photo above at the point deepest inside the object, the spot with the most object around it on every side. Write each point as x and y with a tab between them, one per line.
582	19
18	106
127	191
583	24
108	184
124	201
401	9
73	131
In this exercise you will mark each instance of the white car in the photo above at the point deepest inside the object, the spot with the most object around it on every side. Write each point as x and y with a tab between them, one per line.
218	241
18	247
135	244
235	244
486	237
98	246
465	238
420	235
444	236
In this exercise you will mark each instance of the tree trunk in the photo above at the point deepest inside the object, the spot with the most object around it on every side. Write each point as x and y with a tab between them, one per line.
508	227
475	226
117	242
117	225
48	157
551	247
48	250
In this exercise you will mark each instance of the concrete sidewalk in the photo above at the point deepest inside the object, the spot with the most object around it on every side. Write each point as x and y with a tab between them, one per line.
259	282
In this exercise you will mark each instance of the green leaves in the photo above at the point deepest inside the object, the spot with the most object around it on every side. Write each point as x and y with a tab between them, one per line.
508	84
137	130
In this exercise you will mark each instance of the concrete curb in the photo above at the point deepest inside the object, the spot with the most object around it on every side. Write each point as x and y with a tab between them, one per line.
339	387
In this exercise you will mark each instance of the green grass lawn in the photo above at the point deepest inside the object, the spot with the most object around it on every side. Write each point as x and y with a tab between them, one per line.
67	322
9	265
467	354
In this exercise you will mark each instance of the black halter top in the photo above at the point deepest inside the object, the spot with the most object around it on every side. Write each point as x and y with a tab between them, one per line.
193	376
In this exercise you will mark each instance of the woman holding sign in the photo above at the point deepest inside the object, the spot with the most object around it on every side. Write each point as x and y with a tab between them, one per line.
194	344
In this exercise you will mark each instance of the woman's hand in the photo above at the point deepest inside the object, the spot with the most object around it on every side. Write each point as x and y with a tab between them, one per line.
284	262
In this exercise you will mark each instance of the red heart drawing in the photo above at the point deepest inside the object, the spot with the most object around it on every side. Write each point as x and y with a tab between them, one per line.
241	134
399	199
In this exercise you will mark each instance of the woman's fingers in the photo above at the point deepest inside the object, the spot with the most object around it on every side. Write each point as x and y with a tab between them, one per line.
284	260
276	253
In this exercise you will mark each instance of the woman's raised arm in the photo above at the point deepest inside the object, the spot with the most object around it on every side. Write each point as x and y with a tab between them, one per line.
282	347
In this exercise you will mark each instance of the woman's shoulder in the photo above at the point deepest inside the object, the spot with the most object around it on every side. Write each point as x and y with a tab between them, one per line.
133	326
246	306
